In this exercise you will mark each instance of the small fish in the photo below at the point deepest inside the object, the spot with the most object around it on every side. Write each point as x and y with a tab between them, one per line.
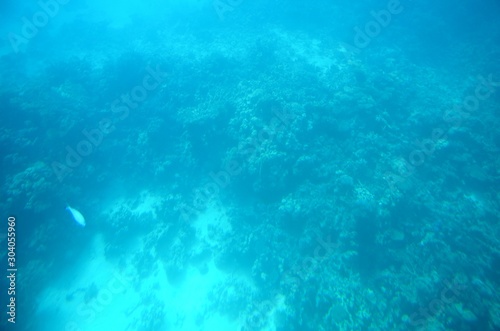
77	216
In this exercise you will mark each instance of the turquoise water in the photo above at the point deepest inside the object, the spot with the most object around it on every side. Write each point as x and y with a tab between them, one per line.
250	165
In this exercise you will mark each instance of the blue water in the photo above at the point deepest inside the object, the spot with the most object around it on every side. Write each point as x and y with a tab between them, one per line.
250	165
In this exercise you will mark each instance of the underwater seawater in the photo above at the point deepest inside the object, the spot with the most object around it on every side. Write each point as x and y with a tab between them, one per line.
234	165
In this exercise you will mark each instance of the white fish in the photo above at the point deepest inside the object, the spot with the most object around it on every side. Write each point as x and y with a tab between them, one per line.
77	216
